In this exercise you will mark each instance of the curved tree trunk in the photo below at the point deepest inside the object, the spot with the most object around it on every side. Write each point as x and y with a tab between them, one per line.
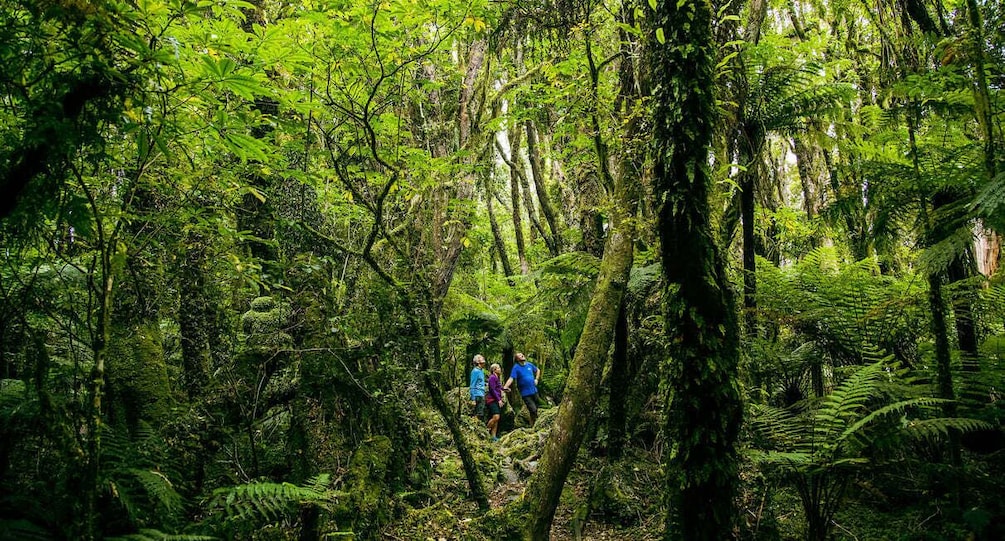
537	169
580	395
497	237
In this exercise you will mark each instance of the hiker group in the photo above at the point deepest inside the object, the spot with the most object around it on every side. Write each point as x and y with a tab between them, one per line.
488	393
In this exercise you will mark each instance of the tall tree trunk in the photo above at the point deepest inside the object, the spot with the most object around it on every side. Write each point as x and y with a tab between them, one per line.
982	94
95	416
497	237
514	183
749	257
196	316
751	143
580	395
619	384
705	410
936	303
591	222
537	169
809	165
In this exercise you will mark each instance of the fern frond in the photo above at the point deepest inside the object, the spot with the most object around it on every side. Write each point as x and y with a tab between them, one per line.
156	535
159	487
938	256
572	263
856	428
777	425
847	402
265	501
989	202
939	429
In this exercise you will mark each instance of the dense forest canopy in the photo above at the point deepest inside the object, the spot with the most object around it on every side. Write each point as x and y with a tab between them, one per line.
751	250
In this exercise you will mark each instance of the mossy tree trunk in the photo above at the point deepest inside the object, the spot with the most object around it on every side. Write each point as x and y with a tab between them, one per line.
705	409
196	315
514	175
619	384
580	394
554	241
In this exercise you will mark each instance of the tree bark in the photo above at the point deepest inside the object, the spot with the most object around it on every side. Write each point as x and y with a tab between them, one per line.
580	395
705	409
514	183
497	237
537	169
619	384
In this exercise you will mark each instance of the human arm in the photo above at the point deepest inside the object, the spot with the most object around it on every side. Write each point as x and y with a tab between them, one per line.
537	375
509	382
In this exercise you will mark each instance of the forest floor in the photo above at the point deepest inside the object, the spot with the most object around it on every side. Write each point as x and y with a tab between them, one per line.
600	502
605	500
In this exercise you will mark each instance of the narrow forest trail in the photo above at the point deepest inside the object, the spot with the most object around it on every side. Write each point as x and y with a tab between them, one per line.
620	511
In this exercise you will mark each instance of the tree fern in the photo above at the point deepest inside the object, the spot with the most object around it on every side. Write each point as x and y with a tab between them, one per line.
821	449
783	97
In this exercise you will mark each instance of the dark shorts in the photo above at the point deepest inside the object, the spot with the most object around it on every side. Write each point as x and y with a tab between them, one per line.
531	400
494	409
479	409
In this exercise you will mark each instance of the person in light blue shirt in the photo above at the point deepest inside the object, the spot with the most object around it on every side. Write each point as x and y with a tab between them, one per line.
526	376
476	387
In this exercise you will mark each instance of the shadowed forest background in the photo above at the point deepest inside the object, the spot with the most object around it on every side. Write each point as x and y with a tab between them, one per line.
250	247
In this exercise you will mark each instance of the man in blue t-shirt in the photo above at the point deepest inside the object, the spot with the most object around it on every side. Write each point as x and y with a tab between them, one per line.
526	376
476	387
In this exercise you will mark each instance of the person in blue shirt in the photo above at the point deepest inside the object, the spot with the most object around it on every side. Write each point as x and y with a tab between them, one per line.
476	387
526	376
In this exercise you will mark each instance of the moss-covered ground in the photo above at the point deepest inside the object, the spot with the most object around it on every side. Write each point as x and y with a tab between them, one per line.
601	501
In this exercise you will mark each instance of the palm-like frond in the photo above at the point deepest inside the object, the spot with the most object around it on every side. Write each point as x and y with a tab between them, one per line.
837	430
990	202
265	501
783	97
147	534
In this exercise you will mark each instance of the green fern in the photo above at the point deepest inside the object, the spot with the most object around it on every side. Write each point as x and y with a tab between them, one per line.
820	449
989	201
137	473
156	535
264	501
783	97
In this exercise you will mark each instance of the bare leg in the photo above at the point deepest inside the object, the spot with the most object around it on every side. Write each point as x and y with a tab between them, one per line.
494	425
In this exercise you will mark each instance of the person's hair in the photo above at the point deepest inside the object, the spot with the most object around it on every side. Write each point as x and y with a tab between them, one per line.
494	367
478	359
